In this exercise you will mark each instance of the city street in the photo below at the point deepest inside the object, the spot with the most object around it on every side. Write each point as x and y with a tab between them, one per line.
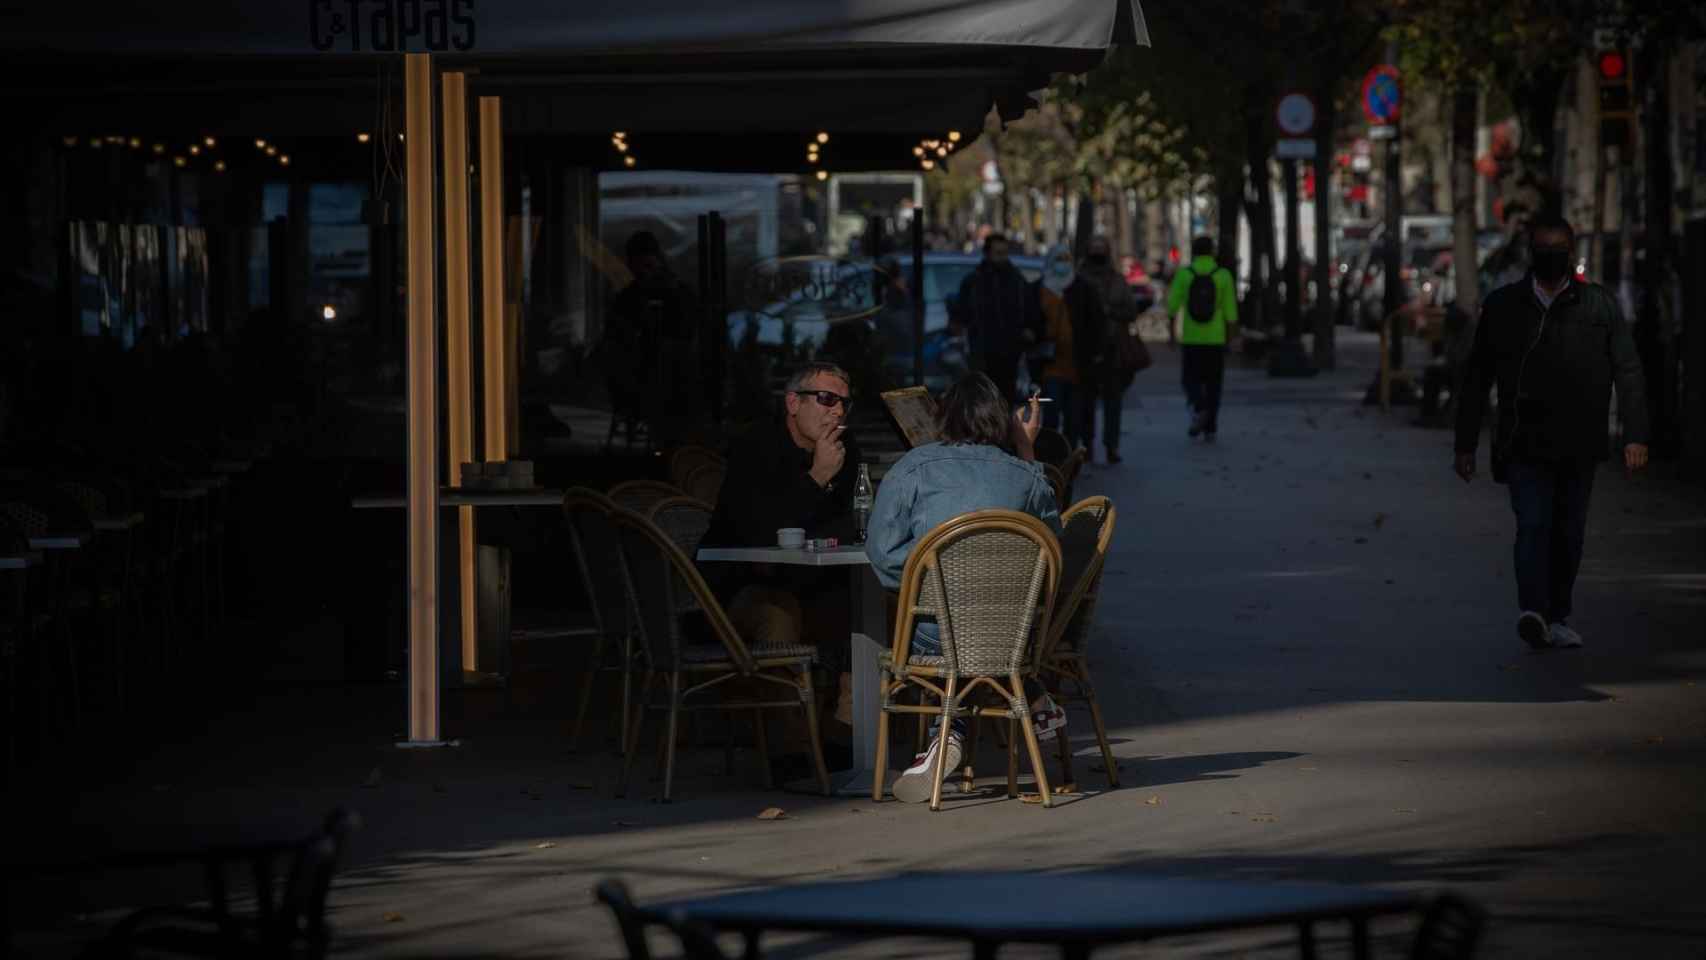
1307	656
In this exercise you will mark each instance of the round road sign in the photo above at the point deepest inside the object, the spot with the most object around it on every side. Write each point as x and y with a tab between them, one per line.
1382	95
1296	115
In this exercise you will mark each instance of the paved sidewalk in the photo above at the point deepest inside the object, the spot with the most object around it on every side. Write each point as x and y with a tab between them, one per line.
1308	656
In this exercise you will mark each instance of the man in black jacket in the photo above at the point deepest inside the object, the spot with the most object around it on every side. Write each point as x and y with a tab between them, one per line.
1554	346
798	472
1000	314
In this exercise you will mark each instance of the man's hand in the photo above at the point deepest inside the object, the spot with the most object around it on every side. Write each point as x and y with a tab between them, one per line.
1465	466
1025	430
1635	457
828	456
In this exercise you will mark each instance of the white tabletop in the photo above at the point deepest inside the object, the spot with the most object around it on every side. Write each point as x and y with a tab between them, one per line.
850	555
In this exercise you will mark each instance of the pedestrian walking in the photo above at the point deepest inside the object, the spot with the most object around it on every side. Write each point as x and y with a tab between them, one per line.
1074	334
1553	346
1000	314
1113	374
1204	292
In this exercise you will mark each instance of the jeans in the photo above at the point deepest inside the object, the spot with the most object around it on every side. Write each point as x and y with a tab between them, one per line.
1203	370
1550	500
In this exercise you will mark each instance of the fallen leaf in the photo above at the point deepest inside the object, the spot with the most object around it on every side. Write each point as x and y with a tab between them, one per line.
393	918
1405	810
1153	801
544	845
1308	768
773	813
1264	818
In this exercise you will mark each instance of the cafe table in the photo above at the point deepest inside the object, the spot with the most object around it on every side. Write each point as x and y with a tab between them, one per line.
1076	911
870	633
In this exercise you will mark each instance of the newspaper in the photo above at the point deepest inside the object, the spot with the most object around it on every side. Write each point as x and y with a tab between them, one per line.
914	412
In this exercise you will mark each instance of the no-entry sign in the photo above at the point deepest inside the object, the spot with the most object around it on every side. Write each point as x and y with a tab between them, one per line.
1382	95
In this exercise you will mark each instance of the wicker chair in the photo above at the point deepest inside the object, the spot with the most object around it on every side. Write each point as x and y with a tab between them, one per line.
664	586
640	495
1088	530
988	579
1071	468
705	482
688	458
593	539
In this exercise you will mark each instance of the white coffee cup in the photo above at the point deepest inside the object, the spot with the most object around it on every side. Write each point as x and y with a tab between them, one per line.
791	537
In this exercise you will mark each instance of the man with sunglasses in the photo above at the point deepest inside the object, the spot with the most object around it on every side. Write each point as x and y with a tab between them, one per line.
1554	346
795	472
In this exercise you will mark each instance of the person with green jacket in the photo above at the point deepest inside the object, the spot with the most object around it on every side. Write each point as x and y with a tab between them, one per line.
1204	293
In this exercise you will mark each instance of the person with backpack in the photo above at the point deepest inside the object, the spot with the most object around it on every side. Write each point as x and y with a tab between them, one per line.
1204	291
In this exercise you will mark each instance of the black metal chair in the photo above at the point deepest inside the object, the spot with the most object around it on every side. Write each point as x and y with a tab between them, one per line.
697	940
287	922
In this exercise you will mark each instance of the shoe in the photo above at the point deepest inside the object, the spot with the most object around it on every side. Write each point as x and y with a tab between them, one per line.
1114	457
1531	627
844	701
1047	717
1196	426
1562	636
1208	436
917	782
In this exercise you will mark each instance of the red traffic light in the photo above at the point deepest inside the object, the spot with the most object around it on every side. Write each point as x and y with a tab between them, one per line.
1612	65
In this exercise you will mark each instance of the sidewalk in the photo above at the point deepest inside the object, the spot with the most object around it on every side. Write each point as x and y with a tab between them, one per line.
1307	655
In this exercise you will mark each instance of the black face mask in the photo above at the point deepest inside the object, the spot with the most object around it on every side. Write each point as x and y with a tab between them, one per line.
1551	265
1097	259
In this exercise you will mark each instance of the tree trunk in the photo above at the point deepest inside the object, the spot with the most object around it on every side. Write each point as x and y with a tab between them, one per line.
1229	191
1464	256
1536	99
1256	139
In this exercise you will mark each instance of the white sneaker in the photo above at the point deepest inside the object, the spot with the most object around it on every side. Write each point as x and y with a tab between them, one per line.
1563	636
918	781
1047	717
1531	627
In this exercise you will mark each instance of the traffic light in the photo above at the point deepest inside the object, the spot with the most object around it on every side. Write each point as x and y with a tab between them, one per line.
1616	97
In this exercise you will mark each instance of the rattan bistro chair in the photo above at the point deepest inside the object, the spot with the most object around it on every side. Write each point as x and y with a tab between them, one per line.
705	482
691	457
593	539
1056	482
1088	529
665	587
988	579
641	495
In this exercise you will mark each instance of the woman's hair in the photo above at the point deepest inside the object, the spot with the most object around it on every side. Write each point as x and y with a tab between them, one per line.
974	411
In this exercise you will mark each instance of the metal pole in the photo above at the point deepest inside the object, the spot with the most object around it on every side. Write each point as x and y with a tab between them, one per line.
1293	256
459	340
495	355
917	295
1326	357
1394	251
422	405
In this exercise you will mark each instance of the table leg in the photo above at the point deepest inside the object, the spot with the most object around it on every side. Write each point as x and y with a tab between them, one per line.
870	635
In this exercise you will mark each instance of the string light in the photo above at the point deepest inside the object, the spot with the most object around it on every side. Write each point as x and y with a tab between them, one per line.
71	141
95	142
929	164
953	136
272	151
362	138
178	161
159	148
219	166
284	160
823	138
195	150
628	161
260	144
135	143
918	151
211	143
823	174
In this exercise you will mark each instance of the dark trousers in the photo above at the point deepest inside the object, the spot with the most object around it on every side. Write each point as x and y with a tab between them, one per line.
1003	368
1072	402
1550	500
1203	370
1112	397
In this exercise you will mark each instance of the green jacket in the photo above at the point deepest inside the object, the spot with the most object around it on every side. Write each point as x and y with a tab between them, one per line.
1195	332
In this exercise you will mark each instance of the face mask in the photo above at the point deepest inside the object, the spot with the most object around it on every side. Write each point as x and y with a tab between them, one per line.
1097	259
1059	276
1551	265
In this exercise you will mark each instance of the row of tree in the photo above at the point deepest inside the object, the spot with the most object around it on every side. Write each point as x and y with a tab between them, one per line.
1192	115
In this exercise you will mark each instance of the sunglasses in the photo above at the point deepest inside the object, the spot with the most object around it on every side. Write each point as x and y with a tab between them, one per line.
826	398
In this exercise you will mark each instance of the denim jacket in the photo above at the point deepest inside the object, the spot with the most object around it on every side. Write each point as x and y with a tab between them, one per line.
937	482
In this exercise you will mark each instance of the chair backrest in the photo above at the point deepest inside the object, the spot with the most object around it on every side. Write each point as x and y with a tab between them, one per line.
683	519
988	579
705	482
593	539
1070	469
1051	447
640	495
688	458
1451	929
663	583
1087	531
